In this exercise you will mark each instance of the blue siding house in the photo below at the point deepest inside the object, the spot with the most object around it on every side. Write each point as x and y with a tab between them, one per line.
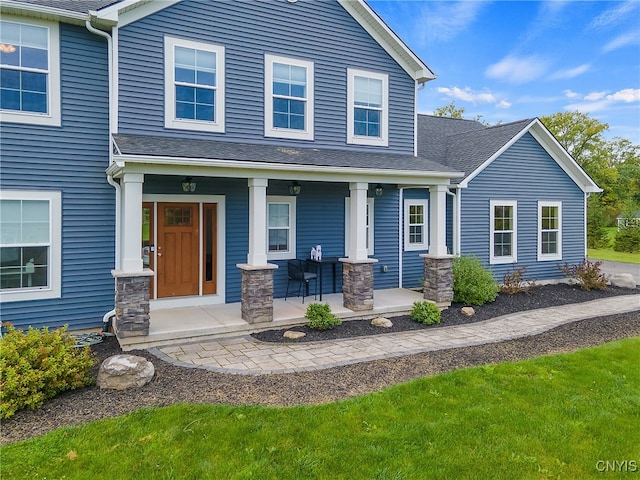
181	153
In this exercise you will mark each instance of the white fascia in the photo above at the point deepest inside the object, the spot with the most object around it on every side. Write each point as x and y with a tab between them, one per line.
129	11
42	11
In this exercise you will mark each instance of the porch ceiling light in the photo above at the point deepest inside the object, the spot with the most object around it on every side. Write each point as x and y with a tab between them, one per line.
188	185
295	189
378	190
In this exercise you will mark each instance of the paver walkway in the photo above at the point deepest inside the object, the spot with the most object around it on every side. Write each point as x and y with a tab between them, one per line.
248	356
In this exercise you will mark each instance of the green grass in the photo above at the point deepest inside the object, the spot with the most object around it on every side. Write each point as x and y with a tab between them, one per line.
551	417
610	254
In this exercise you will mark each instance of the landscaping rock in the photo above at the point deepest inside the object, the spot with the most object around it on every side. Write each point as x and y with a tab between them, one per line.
120	372
381	322
293	335
622	280
468	311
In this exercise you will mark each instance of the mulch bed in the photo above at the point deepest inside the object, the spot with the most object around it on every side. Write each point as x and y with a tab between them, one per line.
174	384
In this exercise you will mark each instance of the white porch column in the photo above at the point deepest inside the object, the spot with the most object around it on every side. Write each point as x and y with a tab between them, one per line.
438	220
132	222
257	222
358	221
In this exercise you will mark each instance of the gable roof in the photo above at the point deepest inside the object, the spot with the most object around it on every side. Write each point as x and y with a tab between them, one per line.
470	147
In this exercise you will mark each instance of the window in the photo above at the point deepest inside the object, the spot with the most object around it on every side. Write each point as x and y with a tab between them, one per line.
281	228
416	235
29	72
30	239
194	85
347	225
288	98
503	241
367	104
549	231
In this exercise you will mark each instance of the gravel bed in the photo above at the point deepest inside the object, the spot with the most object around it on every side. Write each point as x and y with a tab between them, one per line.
173	384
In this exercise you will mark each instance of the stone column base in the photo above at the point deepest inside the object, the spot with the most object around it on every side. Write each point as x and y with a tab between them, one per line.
357	284
257	293
438	279
132	303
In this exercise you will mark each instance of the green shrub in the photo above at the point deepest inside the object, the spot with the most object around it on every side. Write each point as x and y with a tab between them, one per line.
514	282
627	239
472	283
587	274
37	365
319	317
426	313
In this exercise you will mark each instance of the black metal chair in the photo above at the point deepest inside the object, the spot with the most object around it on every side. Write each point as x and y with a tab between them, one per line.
302	273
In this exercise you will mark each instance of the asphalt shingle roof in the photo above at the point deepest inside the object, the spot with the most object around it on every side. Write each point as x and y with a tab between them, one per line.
77	6
148	145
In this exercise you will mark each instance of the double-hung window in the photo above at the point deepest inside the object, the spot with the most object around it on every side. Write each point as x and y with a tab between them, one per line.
503	236
415	225
29	71
281	228
30	240
194	85
549	230
288	98
367	108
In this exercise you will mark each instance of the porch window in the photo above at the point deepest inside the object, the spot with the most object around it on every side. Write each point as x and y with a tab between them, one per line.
415	225
288	98
367	108
503	236
29	71
347	225
194	88
549	231
281	228
30	239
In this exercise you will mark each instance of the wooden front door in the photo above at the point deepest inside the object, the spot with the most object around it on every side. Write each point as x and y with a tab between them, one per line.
177	246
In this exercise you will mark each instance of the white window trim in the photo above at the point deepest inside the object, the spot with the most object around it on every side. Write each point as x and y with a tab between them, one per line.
555	256
170	120
291	253
424	245
513	258
370	226
269	129
54	288
383	140
53	117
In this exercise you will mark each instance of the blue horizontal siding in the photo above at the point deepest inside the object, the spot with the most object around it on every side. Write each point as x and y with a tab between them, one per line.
321	32
527	174
71	159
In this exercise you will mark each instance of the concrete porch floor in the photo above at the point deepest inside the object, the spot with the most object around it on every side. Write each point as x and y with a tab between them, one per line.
193	324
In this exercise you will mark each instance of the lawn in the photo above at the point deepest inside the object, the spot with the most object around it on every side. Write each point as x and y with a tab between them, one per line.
559	416
610	254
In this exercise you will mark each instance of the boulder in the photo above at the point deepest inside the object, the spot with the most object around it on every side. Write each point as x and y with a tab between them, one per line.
293	335
468	311
622	280
120	372
381	322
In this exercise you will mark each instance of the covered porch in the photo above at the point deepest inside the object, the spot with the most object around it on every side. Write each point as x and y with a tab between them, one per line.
171	326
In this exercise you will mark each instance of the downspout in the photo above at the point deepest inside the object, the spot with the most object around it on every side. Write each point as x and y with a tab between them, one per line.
586	198
110	314
458	242
400	235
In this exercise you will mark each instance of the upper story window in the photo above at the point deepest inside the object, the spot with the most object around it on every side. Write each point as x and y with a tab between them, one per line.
30	72
415	225
503	240
367	108
194	85
288	98
30	240
549	230
281	227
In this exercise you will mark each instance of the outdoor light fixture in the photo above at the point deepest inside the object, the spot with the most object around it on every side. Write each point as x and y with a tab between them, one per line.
188	185
378	190
295	189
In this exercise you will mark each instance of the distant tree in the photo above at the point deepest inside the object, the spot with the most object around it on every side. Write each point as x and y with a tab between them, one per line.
449	111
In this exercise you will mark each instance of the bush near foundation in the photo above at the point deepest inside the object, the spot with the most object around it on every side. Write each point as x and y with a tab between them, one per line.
472	283
319	317
586	274
426	313
39	364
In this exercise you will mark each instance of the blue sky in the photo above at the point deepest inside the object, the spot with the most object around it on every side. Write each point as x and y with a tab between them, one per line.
509	60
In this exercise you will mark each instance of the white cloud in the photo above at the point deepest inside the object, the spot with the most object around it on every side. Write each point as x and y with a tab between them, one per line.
620	12
468	95
444	20
571	72
627	95
514	69
598	101
503	104
593	96
571	94
630	38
